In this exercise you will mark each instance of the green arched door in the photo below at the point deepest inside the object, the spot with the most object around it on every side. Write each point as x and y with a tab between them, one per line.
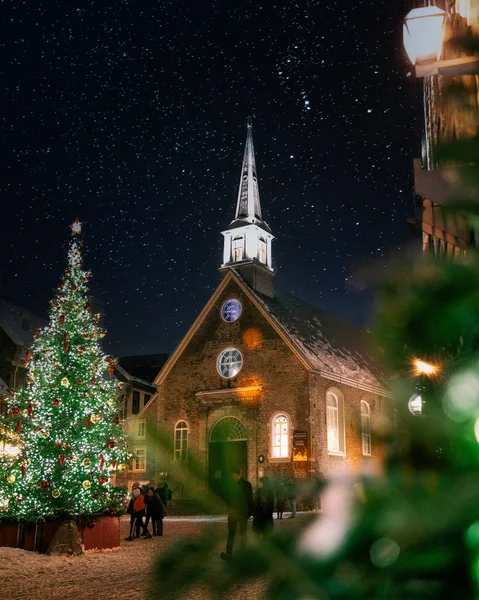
228	449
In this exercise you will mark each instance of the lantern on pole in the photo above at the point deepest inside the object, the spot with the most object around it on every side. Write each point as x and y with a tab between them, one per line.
423	34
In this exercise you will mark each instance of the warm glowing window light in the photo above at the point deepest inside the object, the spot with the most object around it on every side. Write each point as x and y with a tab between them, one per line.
423	34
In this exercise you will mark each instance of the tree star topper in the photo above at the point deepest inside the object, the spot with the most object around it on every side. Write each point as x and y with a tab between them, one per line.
76	227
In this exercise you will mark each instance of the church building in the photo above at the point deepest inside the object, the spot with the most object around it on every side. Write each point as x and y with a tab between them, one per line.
262	379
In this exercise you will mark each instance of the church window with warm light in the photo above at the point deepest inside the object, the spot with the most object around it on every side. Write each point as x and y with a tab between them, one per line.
231	310
238	248
335	423
230	362
262	252
280	435
181	441
365	428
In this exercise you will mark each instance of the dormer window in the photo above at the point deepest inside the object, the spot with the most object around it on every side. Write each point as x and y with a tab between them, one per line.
26	324
238	248
262	250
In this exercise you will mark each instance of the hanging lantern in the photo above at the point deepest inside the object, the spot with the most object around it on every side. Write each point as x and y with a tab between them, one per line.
62	319
423	34
30	410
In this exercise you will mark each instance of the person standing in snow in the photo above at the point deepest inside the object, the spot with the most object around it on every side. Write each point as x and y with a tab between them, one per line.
131	512
156	511
291	493
240	502
139	507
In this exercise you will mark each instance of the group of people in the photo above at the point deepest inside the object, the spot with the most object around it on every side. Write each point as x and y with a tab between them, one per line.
147	504
242	505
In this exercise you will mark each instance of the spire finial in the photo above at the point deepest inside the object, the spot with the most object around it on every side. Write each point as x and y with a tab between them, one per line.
249	122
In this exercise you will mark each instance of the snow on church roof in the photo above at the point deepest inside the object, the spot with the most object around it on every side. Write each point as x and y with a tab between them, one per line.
329	343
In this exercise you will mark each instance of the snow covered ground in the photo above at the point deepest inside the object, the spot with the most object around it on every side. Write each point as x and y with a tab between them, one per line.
123	574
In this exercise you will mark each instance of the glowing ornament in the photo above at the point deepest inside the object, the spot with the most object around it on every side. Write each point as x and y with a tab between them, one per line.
28	355
102	480
64	382
45	433
94	418
19	426
86	394
111	444
86	462
11	478
56	402
76	227
56	493
15	410
44	484
86	484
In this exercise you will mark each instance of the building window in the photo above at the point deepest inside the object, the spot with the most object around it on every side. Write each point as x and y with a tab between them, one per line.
231	310
366	428
238	248
181	441
335	423
262	250
230	362
135	402
141	429
139	462
26	324
280	436
146	399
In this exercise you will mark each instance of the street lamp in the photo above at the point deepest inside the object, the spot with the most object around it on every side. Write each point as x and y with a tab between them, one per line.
423	37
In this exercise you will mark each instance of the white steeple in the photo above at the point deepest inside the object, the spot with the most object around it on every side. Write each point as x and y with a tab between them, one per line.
247	241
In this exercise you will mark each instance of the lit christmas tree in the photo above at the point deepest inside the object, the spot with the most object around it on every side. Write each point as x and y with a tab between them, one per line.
63	431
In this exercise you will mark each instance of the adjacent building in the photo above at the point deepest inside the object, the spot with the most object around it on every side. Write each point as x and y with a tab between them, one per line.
446	118
262	379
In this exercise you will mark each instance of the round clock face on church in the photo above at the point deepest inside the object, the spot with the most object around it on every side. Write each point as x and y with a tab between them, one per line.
231	310
229	363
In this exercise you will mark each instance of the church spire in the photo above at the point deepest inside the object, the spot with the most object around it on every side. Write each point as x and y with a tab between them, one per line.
248	239
248	206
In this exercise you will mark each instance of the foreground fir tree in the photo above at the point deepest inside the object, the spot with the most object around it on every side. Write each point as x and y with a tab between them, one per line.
63	429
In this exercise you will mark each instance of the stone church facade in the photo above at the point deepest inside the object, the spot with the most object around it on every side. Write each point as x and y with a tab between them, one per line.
262	380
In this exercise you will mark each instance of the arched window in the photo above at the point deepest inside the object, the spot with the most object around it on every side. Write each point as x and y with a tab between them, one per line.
262	256
335	422
181	441
366	428
280	436
238	248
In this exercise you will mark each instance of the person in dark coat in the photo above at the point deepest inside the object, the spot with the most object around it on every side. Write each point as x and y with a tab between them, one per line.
156	511
131	512
280	500
240	509
291	493
263	509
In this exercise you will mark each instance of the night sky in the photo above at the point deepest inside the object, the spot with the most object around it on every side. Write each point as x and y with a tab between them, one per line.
131	116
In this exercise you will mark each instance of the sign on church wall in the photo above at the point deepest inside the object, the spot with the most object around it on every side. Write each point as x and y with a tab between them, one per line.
300	445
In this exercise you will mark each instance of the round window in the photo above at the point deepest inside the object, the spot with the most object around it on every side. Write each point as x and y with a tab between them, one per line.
231	310
230	362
